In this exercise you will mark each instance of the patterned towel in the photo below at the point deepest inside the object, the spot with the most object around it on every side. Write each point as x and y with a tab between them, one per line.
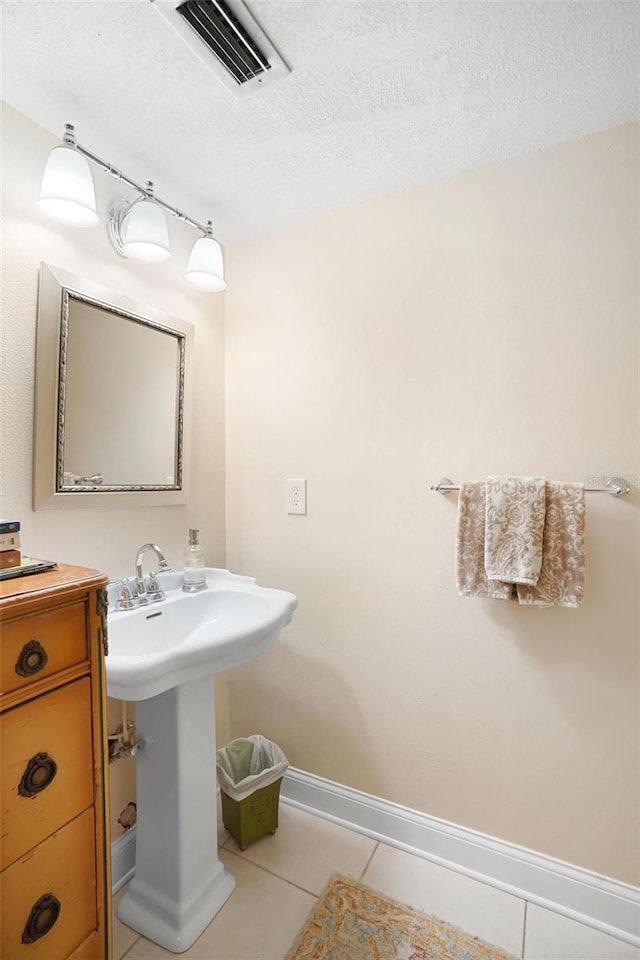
514	521
471	576
561	580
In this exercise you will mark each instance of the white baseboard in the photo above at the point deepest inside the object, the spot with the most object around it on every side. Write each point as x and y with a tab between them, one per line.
600	902
123	859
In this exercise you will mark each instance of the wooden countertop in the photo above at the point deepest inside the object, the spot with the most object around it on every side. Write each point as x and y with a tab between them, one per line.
41	584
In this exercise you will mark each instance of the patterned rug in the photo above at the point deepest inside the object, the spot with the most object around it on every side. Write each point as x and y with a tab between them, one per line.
353	922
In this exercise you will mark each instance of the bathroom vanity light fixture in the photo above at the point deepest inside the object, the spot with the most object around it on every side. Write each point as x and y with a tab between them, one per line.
137	229
205	269
67	193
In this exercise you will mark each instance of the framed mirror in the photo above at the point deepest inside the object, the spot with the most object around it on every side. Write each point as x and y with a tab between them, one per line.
112	403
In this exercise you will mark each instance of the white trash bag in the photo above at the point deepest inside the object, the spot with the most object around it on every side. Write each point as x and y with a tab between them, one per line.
248	764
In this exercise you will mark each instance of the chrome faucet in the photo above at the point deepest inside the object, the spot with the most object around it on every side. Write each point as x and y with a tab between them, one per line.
163	565
151	591
134	592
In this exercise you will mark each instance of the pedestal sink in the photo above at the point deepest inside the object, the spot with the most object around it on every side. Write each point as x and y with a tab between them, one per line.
164	655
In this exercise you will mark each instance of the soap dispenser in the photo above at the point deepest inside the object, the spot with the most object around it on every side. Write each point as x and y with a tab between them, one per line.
194	571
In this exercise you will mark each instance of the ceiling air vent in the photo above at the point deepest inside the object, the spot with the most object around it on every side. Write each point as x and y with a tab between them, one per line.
227	38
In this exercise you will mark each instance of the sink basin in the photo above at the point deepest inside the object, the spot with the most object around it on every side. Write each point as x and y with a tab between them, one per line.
163	655
158	646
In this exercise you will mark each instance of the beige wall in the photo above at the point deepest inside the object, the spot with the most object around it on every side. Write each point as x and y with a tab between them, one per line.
484	324
487	323
105	539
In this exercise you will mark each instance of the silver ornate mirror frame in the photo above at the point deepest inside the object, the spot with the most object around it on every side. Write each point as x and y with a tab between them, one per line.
53	487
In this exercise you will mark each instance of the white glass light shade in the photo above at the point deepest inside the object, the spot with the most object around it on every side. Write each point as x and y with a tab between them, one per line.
206	268
144	233
67	193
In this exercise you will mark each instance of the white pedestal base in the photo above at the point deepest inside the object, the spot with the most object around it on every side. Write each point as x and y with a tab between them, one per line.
179	883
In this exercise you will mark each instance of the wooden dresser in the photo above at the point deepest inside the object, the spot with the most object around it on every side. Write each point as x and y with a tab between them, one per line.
54	841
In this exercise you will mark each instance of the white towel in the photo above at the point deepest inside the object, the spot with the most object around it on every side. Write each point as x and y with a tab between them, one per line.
514	523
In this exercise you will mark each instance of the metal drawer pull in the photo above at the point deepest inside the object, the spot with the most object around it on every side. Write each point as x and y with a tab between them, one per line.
41	770
42	918
33	657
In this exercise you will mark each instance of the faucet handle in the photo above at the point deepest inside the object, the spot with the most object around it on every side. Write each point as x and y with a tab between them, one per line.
154	590
140	590
126	591
126	598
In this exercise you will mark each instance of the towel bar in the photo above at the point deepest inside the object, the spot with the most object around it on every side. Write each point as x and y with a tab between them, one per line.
615	486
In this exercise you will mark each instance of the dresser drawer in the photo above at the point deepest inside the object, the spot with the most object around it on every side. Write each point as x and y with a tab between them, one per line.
42	644
49	897
47	766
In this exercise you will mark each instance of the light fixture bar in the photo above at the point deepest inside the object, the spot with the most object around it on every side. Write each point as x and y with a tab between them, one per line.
137	229
69	138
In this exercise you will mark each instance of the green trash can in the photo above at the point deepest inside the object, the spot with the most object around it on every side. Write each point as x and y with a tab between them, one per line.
250	772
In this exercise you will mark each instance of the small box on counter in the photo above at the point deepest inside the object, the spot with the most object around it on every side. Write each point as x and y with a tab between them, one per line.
10	558
9	541
9	526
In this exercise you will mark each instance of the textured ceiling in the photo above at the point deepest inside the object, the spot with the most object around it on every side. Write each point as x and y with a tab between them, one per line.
382	95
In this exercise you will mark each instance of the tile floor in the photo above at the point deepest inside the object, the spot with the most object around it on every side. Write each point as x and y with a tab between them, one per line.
279	878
